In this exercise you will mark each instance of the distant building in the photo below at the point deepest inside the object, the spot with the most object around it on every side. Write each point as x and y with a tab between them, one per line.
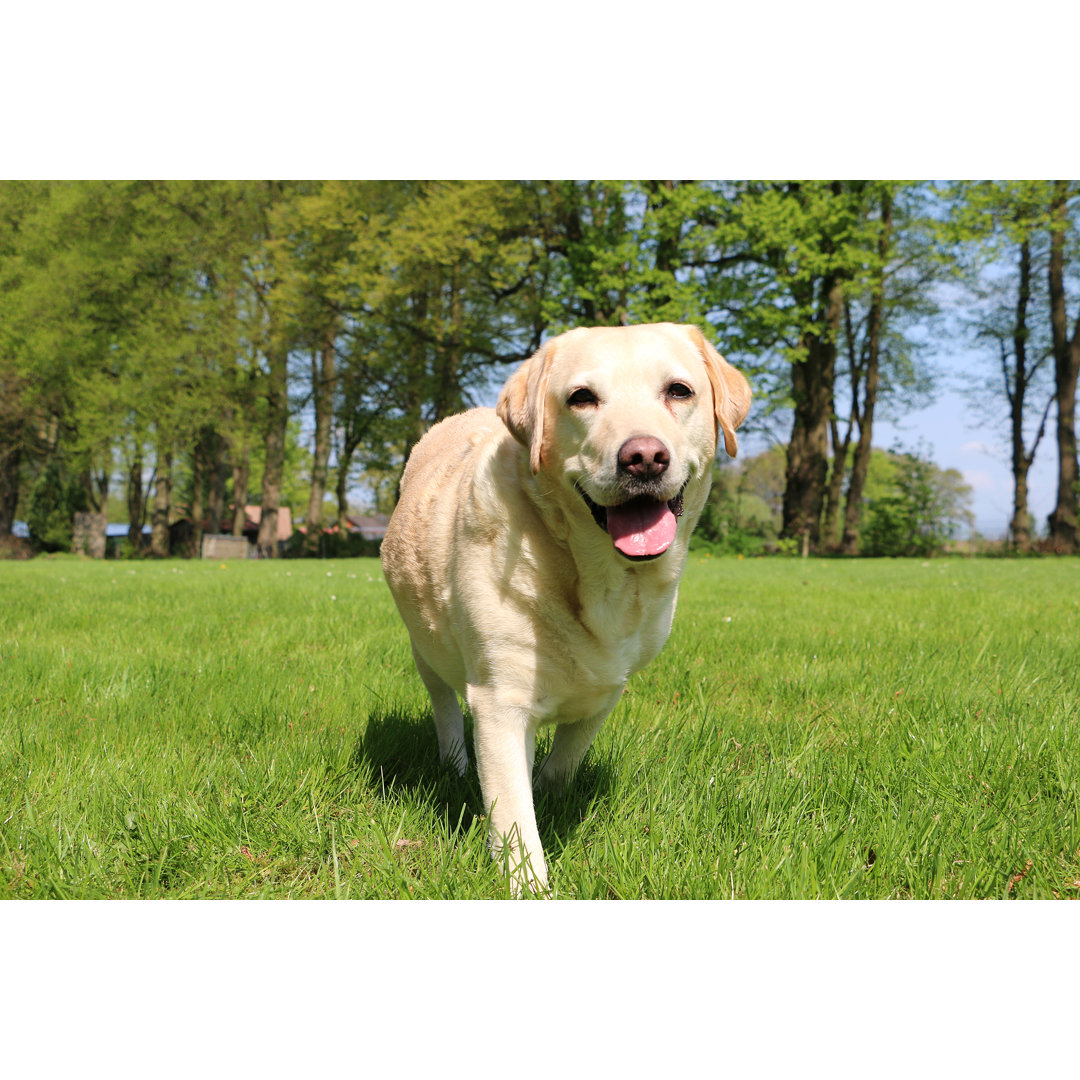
245	546
361	535
369	526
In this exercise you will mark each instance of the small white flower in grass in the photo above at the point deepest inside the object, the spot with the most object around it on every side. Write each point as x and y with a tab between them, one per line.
329	573
333	597
727	618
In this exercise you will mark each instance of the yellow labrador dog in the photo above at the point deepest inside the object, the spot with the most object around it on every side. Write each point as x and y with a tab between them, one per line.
536	551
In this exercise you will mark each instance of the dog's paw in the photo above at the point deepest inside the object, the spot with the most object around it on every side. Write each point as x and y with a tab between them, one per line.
529	887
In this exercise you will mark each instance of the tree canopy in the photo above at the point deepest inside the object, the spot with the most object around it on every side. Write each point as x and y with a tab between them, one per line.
180	349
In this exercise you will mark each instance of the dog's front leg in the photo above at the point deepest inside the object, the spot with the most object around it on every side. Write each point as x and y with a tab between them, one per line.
569	746
504	737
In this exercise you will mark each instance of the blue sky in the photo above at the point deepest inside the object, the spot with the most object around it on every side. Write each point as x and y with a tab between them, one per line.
958	437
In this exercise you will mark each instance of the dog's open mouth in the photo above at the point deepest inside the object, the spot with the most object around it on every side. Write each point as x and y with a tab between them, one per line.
640	528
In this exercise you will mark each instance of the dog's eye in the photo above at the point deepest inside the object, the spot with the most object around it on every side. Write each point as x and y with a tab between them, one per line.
582	396
679	390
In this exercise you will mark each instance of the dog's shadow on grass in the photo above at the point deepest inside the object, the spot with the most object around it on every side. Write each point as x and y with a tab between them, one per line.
400	754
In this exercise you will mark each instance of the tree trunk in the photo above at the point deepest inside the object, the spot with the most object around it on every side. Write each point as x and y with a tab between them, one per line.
322	385
136	502
277	419
215	501
418	379
344	462
836	480
159	522
96	486
1063	519
10	461
1020	526
200	459
12	428
860	463
447	398
241	473
808	451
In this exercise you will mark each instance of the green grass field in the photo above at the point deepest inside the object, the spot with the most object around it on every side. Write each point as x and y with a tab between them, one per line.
812	729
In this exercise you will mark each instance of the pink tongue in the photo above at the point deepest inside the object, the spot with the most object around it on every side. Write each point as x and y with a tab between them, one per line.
641	526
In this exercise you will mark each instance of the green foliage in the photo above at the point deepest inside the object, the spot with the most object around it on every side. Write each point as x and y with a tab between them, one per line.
986	218
742	515
917	512
129	551
911	507
54	499
146	319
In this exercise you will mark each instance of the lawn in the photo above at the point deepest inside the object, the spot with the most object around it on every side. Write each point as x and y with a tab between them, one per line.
813	729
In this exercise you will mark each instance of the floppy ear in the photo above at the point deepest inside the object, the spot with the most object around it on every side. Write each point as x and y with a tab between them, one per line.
731	391
521	403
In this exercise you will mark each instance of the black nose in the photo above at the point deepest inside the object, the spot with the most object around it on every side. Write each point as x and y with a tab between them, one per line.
643	457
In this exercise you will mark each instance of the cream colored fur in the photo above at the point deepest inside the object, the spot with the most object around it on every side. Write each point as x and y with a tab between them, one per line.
513	596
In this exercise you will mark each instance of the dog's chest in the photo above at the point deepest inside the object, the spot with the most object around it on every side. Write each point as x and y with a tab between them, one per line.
611	637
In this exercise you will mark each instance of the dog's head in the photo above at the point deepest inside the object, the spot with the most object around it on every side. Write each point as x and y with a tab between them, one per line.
627	421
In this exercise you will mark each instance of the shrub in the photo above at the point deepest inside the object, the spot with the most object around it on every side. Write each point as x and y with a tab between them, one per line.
918	514
54	500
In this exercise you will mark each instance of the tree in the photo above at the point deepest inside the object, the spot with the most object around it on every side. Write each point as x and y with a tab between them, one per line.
919	509
317	246
590	246
223	330
167	336
743	514
1019	371
78	292
1063	519
998	230
864	367
439	291
16	202
12	442
777	261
